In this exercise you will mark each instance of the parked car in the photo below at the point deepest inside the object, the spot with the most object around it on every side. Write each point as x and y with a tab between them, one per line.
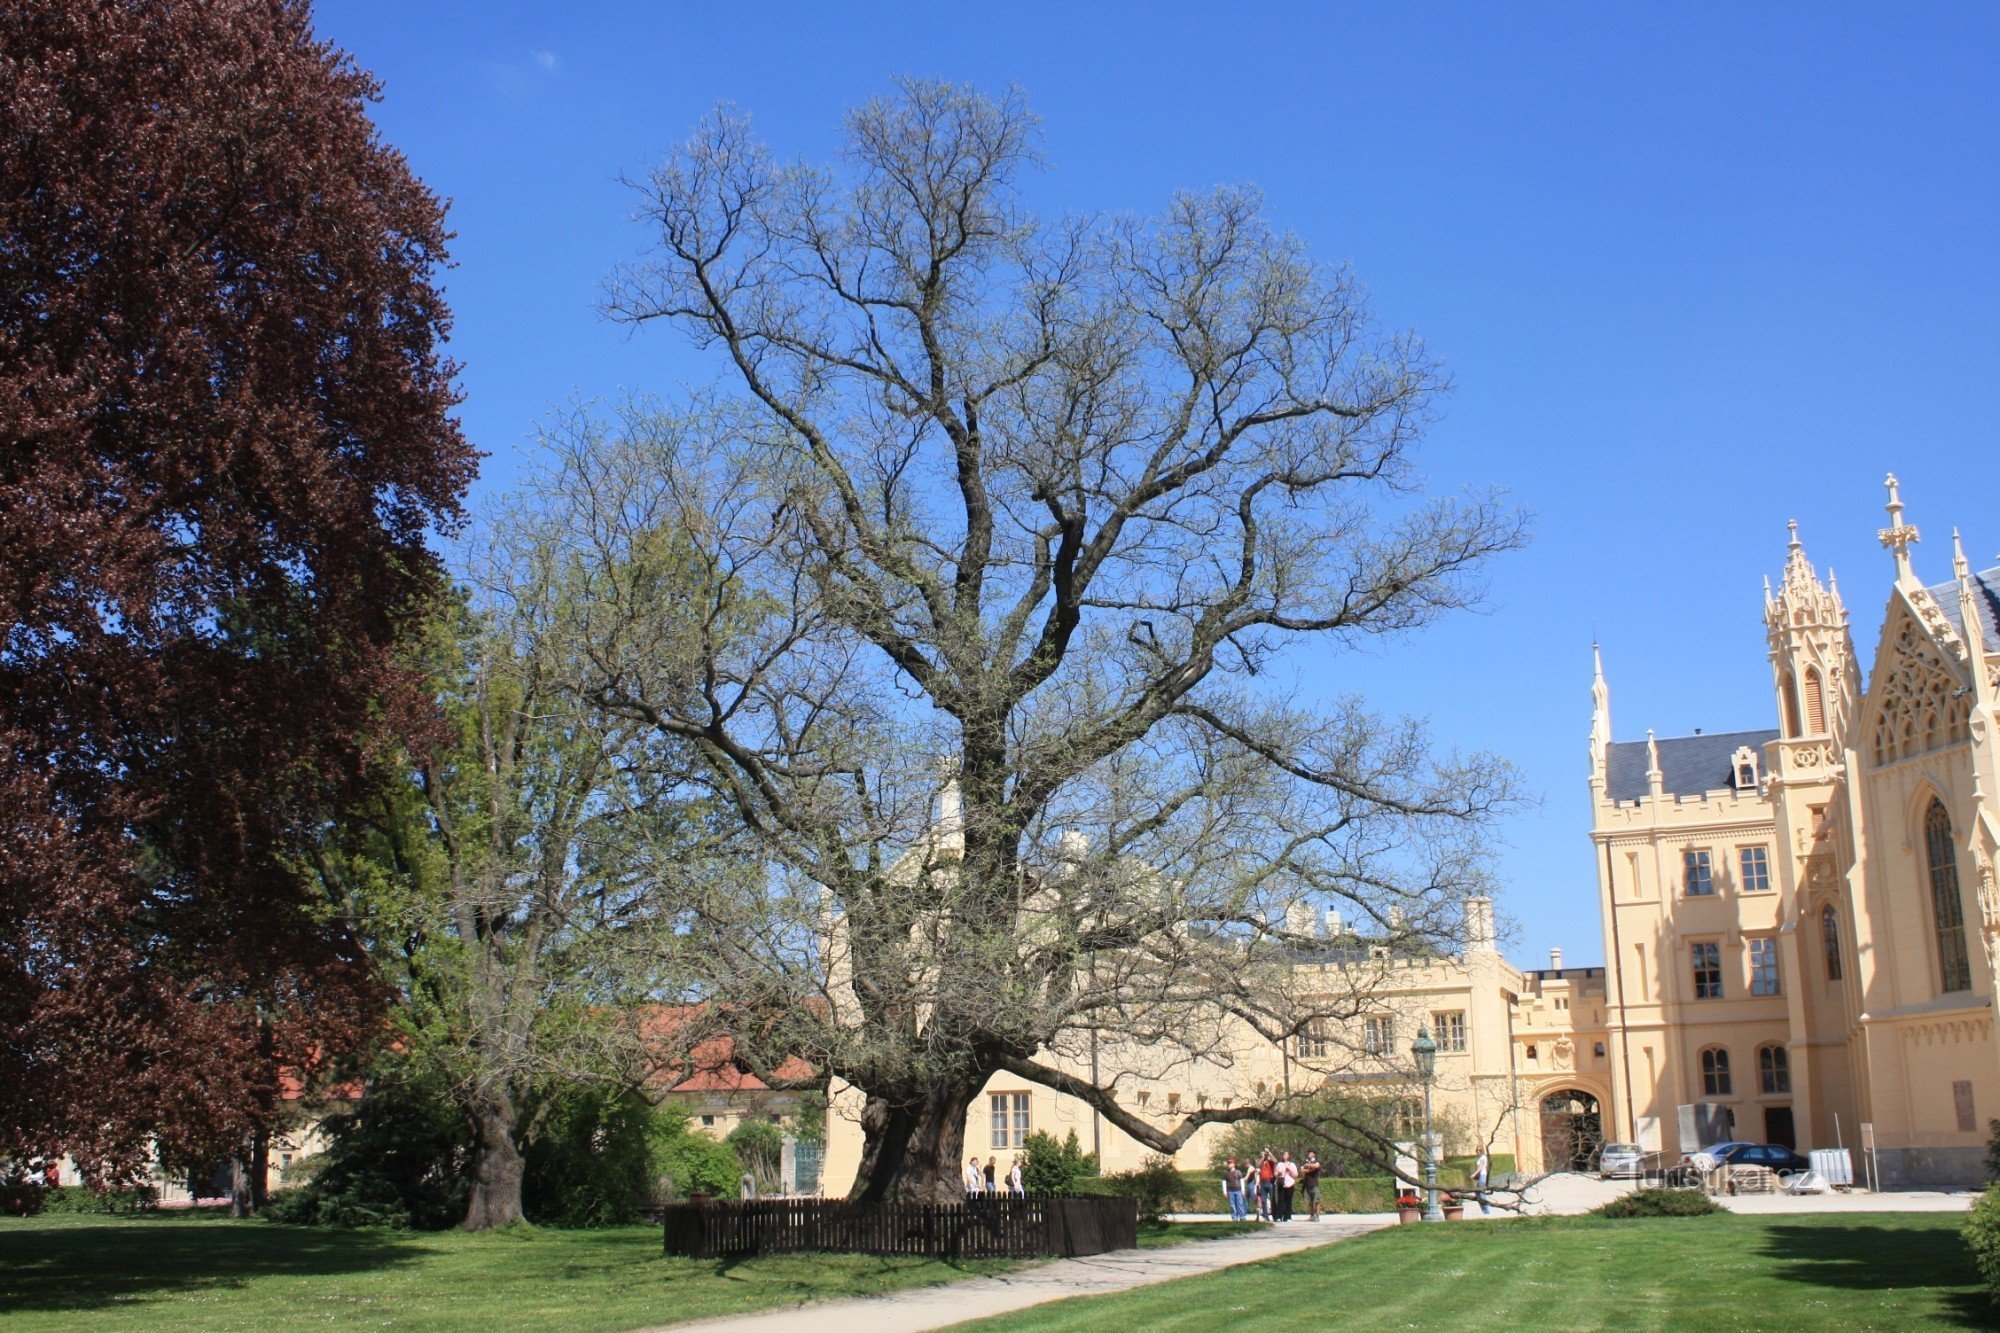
1621	1160
1775	1156
1718	1151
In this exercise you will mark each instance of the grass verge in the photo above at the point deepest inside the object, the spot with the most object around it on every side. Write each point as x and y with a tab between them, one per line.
1851	1272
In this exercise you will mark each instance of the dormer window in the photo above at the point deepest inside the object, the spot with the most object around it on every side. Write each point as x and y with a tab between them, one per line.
1745	764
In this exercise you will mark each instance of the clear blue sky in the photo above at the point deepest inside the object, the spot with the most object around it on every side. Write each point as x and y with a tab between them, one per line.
1695	270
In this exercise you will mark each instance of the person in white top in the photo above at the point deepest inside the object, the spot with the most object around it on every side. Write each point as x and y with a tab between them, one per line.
1014	1184
1286	1177
975	1179
1480	1168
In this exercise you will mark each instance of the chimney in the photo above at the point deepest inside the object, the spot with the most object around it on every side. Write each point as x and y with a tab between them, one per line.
1555	960
1479	925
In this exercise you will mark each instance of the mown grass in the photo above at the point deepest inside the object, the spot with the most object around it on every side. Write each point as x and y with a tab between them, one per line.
186	1271
1851	1272
156	1272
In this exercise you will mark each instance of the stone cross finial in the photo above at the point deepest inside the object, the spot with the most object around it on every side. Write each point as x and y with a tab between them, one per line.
1899	535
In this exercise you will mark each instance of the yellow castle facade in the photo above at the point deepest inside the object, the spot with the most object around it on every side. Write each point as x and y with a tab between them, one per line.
1801	933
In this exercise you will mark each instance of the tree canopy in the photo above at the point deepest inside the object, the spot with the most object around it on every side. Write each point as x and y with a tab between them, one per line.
227	433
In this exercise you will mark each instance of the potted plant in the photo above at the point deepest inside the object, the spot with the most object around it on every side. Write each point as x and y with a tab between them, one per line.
1407	1209
1454	1207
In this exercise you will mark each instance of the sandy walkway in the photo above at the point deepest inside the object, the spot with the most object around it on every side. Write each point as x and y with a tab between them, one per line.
937	1307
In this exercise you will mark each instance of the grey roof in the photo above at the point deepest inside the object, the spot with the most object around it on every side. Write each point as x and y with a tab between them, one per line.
1986	599
1690	765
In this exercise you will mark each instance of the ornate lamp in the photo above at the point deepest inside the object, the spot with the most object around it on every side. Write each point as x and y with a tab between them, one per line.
1425	1052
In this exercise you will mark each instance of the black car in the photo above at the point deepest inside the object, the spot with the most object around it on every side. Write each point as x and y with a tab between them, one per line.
1778	1158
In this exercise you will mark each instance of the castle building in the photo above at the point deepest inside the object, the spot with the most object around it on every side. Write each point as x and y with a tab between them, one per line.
1801	932
1800	920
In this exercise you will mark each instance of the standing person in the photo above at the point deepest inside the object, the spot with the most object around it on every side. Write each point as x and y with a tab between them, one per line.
975	1179
992	1175
1309	1182
1480	1167
1015	1184
1267	1171
1232	1189
1285	1177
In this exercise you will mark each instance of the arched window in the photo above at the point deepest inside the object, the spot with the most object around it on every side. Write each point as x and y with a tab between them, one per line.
1829	930
1947	911
1715	1072
1815	702
1789	689
1774	1069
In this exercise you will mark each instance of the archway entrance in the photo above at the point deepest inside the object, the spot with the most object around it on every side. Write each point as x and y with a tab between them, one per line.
1572	1131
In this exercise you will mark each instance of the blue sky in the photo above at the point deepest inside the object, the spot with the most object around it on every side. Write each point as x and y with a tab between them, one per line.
1695	270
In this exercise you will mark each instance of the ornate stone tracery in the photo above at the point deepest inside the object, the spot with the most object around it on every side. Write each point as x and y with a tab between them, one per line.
1916	708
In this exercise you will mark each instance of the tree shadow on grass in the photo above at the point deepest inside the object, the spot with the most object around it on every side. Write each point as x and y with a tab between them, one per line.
97	1266
1871	1258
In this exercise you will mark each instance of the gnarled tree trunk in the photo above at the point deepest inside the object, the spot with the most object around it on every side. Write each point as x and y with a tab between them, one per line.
496	1165
913	1145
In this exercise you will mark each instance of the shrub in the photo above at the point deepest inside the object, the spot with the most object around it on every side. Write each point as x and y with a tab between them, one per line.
1157	1186
83	1199
1993	1150
1659	1203
689	1160
396	1160
760	1147
1055	1168
20	1196
1982	1237
587	1160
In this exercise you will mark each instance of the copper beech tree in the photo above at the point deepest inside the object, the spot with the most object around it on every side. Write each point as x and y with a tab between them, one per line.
225	432
1005	533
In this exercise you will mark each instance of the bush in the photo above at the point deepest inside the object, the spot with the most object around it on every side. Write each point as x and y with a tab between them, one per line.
1055	1168
689	1160
1993	1150
1982	1237
396	1160
760	1147
1659	1203
1157	1186
587	1160
83	1199
20	1196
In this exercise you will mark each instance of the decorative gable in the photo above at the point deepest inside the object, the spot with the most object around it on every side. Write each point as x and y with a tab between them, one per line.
1917	698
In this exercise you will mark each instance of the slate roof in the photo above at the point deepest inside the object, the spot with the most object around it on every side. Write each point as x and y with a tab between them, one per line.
1986	597
1691	765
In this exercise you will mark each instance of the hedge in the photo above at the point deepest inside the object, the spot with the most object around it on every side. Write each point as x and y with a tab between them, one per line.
1201	1192
1658	1203
1982	1237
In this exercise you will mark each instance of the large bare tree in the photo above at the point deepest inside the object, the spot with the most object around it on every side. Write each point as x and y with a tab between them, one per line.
1005	534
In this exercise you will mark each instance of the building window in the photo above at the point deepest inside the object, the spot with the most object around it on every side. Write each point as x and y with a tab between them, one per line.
1745	763
1715	1072
1707	970
1450	1030
1378	1034
1791	693
1010	1119
1947	912
1764	966
1598	1049
1697	875
1409	1118
1531	1052
1829	929
1314	1041
708	1121
1815	703
1774	1069
1756	864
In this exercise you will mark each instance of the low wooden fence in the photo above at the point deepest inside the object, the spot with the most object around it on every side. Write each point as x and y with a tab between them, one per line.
997	1228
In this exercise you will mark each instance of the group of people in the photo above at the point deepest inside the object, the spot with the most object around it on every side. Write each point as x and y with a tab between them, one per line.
1272	1180
980	1180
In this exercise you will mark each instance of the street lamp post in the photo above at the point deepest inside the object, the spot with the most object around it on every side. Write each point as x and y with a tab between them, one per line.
1426	1052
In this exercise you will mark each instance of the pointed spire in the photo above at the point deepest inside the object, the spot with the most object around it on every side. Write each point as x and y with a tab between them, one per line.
1974	633
1600	716
1655	779
1898	536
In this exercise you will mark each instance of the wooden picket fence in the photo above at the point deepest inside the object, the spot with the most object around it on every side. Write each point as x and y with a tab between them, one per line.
1001	1227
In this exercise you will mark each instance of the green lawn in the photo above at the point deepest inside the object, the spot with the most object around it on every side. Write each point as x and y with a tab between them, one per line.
176	1273
1859	1271
205	1271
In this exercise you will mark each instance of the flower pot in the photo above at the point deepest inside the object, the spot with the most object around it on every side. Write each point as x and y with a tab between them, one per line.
699	1197
1454	1211
1407	1208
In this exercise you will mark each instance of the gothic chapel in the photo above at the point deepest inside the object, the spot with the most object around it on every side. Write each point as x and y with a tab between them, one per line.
1801	923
